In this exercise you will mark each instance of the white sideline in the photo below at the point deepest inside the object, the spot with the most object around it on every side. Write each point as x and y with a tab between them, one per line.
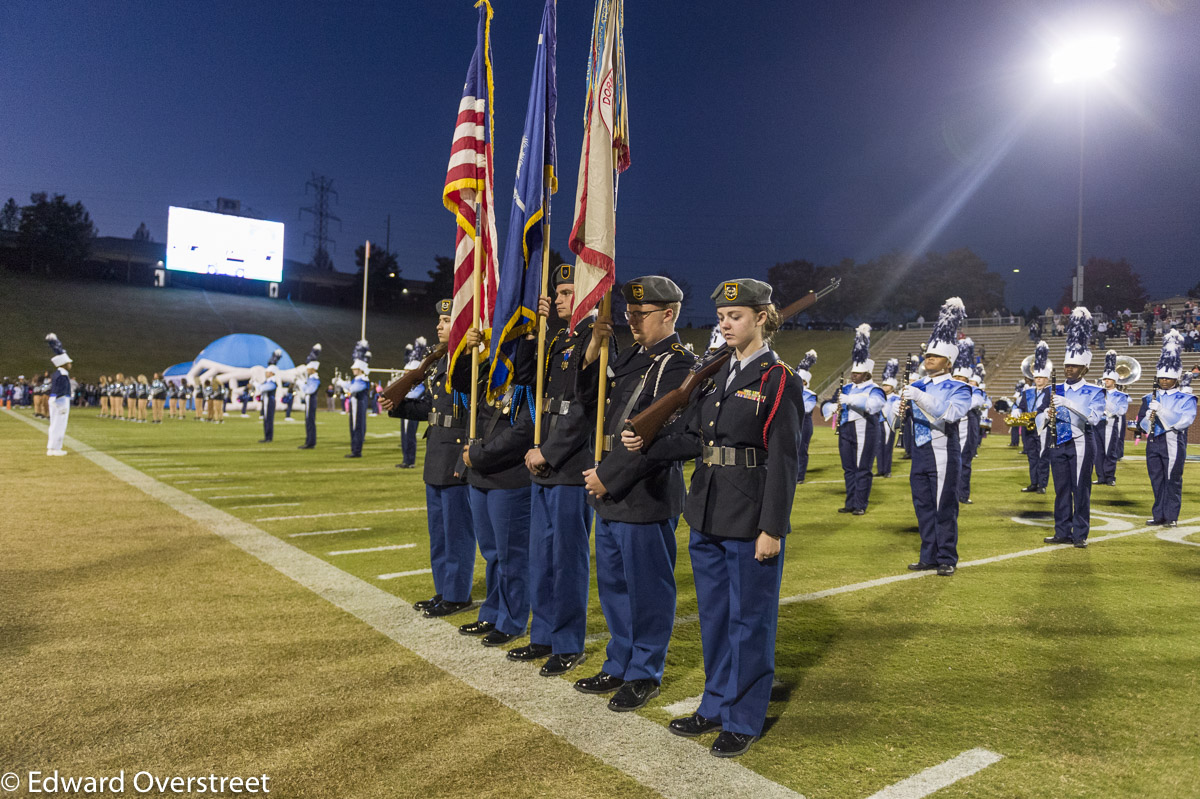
679	770
937	777
265	505
337	513
387	548
330	532
242	496
394	575
213	488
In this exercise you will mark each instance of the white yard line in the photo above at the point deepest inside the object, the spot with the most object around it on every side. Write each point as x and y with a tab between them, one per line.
937	777
216	488
337	513
413	573
330	532
375	549
265	505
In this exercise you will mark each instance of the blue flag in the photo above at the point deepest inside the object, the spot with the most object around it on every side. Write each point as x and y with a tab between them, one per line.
520	277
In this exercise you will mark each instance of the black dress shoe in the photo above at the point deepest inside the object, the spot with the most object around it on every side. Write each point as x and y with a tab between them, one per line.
633	694
1170	524
446	608
858	512
1110	482
1153	522
1041	490
945	570
693	725
732	744
800	482
1055	540
497	638
424	603
264	441
561	664
352	455
477	628
845	510
965	502
1081	544
602	683
304	446
529	652
921	567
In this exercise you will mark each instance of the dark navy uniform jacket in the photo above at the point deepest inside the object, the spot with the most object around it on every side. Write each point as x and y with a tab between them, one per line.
640	490
568	439
505	431
60	384
443	445
740	501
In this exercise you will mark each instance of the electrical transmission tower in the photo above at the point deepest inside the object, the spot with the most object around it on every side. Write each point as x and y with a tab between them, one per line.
322	188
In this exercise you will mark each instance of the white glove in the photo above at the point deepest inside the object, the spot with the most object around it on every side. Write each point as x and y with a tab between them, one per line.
1154	406
910	393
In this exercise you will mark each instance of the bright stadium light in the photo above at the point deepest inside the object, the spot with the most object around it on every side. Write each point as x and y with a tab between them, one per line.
1085	58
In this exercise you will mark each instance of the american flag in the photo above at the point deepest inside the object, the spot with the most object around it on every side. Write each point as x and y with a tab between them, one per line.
469	190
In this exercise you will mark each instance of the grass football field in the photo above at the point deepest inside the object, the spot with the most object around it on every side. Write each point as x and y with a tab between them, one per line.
146	624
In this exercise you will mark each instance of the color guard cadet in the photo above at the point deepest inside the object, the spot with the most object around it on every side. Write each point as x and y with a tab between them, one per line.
1077	407
1165	416
968	426
637	502
447	499
356	389
1035	399
266	391
311	384
58	396
804	374
499	490
1112	426
937	404
746	430
888	419
857	407
561	517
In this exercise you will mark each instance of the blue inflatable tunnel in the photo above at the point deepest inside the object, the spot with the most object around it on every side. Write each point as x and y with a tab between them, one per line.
243	350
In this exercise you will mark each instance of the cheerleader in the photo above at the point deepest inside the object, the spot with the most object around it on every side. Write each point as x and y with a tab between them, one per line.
142	393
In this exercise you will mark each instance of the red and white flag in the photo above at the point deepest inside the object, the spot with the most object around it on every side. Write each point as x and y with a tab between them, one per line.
605	153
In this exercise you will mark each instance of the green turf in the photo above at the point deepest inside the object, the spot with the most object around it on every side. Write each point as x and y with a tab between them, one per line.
1081	667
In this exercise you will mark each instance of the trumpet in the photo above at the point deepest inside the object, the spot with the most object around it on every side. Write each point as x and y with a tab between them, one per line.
1026	420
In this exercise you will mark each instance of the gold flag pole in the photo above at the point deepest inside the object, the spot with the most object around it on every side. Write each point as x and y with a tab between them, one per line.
602	396
476	291
539	400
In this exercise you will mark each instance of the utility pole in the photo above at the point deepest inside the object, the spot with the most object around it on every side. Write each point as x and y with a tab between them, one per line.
322	189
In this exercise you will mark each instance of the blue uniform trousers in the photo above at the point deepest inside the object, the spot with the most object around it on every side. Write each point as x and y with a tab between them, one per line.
964	474
635	575
738	600
451	541
1014	433
1039	461
1071	465
883	457
501	517
856	462
1164	462
408	440
934	483
310	421
559	564
269	417
358	422
806	433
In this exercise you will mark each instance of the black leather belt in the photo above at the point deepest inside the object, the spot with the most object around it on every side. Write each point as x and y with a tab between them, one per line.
750	457
556	407
444	420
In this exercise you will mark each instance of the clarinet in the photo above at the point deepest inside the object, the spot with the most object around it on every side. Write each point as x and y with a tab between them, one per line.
837	419
903	409
1052	411
1150	417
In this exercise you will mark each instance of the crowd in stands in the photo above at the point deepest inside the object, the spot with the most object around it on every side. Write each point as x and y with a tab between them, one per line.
1143	328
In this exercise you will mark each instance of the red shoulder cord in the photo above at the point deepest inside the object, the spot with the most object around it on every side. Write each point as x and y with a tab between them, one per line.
778	397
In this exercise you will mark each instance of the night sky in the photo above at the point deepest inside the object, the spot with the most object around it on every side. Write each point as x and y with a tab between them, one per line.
760	131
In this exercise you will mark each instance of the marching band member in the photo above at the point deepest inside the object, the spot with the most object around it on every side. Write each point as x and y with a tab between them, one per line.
414	354
356	390
561	517
968	426
197	401
1112	426
746	430
857	407
1035	399
937	404
1078	406
804	374
637	502
1165	416
451	532
1016	431
887	431
266	392
312	382
906	424
58	394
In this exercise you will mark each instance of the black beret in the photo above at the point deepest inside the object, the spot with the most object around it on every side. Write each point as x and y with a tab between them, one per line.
744	291
651	289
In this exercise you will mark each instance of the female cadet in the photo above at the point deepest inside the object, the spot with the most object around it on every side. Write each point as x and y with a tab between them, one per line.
747	432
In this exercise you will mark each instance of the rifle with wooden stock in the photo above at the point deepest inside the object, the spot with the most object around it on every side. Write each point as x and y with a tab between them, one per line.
398	389
650	422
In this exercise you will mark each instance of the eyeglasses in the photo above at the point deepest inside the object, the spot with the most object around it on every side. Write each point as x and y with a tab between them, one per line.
638	316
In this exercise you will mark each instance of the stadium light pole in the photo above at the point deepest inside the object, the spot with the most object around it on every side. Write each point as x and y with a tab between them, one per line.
1082	61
